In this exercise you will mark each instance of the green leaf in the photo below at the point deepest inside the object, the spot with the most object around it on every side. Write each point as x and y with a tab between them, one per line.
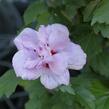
38	95
75	3
8	83
104	29
71	10
33	11
101	14
44	18
67	89
54	3
89	90
59	106
40	98
86	98
100	63
72	7
82	80
102	94
60	3
62	100
88	11
98	89
102	102
67	8
83	94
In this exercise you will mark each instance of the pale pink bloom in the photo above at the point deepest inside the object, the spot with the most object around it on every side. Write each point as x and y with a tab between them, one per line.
47	53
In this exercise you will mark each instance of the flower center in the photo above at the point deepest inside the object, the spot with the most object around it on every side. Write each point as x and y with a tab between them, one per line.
53	52
34	50
46	65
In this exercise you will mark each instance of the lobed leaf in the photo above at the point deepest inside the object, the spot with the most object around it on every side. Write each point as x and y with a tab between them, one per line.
101	14
8	83
34	11
100	63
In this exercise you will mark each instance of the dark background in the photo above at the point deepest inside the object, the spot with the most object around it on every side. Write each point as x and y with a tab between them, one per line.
11	21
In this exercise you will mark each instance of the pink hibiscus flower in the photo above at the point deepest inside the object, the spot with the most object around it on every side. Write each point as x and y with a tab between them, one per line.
47	53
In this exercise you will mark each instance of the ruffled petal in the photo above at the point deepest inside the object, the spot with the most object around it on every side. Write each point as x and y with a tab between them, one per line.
52	81
42	34
19	61
49	81
77	57
64	78
58	64
26	39
31	63
59	28
58	36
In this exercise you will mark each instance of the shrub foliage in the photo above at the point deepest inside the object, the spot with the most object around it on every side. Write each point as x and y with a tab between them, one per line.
88	23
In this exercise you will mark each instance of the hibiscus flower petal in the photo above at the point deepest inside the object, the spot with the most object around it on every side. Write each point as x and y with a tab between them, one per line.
64	78
19	61
27	38
77	57
42	34
58	64
31	63
59	28
59	36
51	81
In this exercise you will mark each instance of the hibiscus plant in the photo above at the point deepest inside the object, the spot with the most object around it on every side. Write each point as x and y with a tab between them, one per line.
62	60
